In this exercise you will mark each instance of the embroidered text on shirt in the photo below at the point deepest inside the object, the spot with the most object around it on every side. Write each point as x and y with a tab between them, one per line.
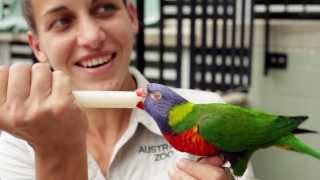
160	152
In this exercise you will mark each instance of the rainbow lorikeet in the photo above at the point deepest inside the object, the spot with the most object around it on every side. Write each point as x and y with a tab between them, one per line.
221	129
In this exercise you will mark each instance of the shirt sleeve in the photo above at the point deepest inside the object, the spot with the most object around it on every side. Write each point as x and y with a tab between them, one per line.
16	161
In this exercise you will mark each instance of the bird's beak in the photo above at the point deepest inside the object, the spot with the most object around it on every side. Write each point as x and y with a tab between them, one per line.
142	93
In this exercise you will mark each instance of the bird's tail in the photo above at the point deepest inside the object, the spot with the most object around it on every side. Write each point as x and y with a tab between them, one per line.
303	131
298	120
292	143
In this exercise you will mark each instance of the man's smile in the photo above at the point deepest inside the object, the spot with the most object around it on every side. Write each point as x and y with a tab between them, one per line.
95	61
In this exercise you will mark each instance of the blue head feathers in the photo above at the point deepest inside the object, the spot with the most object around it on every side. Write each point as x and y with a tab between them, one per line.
159	100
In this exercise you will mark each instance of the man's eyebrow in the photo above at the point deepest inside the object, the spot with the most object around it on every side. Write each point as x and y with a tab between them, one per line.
54	10
94	1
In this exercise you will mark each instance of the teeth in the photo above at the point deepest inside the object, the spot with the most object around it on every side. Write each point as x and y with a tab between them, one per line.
95	62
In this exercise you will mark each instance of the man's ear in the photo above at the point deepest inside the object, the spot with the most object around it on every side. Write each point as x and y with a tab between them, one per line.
35	46
133	15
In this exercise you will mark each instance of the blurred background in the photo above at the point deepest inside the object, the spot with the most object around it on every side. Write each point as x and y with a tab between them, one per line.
262	54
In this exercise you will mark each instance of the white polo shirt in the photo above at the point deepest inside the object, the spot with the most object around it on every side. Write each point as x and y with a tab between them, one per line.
140	154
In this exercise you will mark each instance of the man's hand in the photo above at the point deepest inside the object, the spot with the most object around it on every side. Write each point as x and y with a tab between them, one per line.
37	105
205	169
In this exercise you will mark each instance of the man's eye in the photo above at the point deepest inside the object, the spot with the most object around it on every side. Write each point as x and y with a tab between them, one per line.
61	23
104	9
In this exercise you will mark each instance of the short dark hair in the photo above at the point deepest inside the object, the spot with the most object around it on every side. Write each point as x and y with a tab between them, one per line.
27	12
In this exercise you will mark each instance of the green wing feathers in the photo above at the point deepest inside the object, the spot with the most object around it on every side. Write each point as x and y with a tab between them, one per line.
236	129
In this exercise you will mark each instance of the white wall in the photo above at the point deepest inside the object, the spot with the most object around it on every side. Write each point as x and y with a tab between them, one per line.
295	91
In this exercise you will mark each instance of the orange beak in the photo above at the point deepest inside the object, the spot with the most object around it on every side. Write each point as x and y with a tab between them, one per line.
141	92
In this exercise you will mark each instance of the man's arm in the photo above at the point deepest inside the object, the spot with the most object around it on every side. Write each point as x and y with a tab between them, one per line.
62	164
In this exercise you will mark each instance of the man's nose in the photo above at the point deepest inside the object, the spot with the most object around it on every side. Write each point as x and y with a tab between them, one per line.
91	34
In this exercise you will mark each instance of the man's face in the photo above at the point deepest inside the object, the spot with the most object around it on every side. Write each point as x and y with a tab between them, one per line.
91	40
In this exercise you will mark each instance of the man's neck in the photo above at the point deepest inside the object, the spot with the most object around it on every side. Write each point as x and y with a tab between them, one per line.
105	129
106	126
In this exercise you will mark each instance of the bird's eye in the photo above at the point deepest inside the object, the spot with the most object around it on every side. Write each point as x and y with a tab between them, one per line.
156	95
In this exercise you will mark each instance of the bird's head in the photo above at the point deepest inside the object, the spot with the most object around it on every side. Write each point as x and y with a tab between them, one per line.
158	101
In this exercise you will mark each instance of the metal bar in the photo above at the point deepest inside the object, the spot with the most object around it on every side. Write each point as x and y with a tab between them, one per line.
154	64
189	2
289	15
140	38
267	37
198	16
291	2
27	57
228	69
203	44
161	42
214	44
192	46
155	48
251	41
233	44
224	44
179	43
218	51
242	41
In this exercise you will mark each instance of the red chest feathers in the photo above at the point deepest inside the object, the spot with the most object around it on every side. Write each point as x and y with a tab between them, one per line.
190	141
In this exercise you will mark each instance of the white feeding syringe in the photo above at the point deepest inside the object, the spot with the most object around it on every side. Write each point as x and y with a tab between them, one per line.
110	99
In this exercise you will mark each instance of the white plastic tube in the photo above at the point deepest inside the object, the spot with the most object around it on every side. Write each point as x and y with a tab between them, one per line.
107	99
